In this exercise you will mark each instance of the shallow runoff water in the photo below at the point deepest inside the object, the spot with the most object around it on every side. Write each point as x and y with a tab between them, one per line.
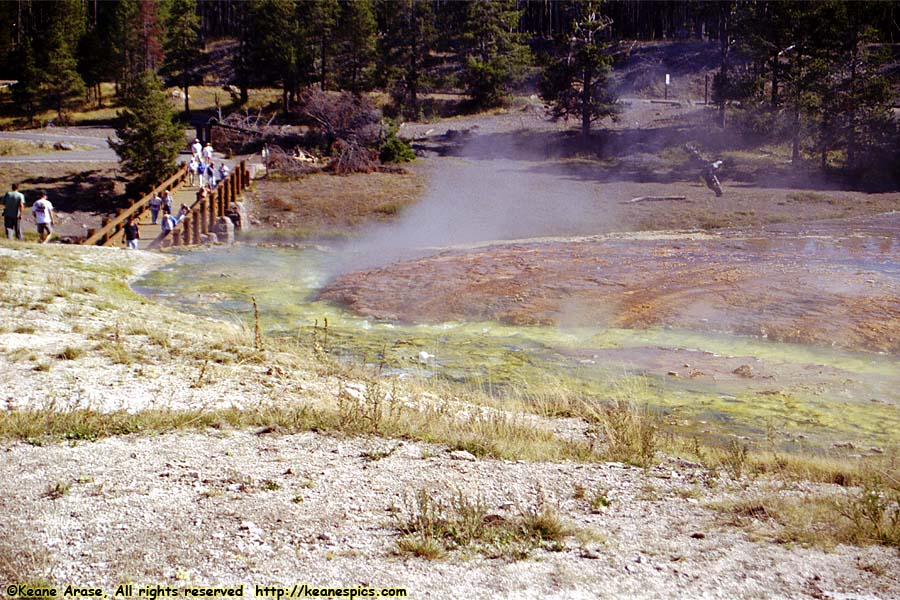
796	396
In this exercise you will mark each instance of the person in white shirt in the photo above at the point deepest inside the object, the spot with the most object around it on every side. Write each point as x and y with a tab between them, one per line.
43	216
197	149
192	170
207	152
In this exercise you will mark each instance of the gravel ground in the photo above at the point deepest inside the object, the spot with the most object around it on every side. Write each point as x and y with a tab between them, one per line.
199	509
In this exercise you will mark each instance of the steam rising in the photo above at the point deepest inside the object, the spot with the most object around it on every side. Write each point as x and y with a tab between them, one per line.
489	193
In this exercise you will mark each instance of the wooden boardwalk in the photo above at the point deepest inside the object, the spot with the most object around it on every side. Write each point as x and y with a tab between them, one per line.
201	216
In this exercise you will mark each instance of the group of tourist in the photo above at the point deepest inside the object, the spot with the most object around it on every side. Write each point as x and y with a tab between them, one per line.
202	171
14	211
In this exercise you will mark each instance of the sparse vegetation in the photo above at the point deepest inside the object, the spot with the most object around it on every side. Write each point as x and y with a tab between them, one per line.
70	353
867	515
431	526
57	490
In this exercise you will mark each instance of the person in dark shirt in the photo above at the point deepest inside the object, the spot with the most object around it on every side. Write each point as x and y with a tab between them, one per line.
132	233
13	207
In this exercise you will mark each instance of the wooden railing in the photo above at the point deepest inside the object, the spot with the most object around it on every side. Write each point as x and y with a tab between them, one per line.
203	213
200	218
110	230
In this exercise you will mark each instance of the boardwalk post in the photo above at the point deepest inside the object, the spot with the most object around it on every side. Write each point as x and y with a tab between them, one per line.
186	234
195	221
223	198
212	210
204	216
103	223
176	237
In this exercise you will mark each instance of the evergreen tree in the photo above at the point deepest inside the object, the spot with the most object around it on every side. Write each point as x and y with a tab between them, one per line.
491	52
137	42
27	90
148	138
408	37
575	80
63	83
861	96
320	25
276	52
96	62
356	45
184	49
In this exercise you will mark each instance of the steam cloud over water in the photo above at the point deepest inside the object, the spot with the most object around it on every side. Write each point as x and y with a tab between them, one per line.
472	200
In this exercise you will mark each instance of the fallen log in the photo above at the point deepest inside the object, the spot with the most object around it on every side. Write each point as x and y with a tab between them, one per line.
654	199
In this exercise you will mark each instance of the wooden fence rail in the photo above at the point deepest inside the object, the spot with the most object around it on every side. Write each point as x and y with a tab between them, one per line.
202	214
188	233
109	228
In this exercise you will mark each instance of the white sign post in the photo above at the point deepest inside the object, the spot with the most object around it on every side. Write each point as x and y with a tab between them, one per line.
667	86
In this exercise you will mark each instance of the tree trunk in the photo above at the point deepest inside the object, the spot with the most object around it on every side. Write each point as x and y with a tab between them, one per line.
586	104
245	94
322	82
724	10
775	80
851	133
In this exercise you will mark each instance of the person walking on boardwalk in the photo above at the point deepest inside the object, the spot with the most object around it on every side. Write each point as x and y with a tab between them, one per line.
13	209
168	199
43	216
155	204
192	170
197	149
207	152
132	233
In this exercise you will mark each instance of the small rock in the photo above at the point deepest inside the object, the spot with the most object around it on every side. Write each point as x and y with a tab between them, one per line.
744	371
876	450
698	535
847	445
673	373
592	554
462	455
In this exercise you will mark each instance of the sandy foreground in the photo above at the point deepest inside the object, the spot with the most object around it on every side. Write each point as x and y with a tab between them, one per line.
224	506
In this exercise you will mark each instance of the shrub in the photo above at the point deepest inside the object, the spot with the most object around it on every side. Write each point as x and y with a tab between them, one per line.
395	150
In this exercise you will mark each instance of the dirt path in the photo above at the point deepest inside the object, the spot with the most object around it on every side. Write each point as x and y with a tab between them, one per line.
94	137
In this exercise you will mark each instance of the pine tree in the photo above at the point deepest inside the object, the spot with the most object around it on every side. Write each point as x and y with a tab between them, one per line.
63	84
96	62
320	25
137	42
575	80
276	53
27	90
148	138
408	37
356	45
491	52
184	49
